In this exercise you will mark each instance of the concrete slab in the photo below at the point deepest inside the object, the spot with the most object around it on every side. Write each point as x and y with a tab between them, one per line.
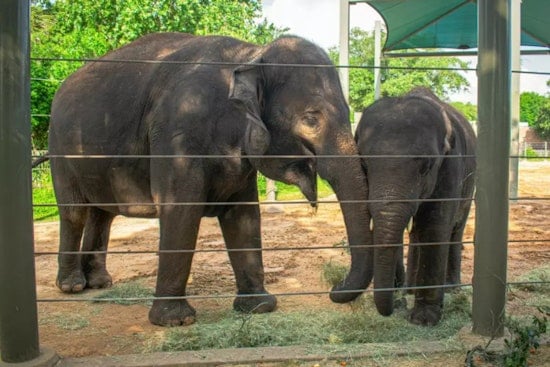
244	356
47	358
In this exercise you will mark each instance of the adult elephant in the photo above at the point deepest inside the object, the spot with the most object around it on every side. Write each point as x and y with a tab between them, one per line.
429	181
178	132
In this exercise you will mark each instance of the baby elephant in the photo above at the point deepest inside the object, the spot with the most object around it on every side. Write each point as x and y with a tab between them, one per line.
418	153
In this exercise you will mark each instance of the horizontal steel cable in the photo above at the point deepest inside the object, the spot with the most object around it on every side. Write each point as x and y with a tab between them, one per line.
227	203
295	202
217	296
287	294
267	249
255	156
234	64
525	243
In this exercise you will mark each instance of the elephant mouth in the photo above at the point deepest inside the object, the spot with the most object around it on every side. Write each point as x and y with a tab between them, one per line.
303	174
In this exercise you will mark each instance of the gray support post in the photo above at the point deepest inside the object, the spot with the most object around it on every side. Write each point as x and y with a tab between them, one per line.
377	57
491	237
514	129
18	312
344	47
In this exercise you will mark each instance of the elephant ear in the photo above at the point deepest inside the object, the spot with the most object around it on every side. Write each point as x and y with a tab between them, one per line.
246	90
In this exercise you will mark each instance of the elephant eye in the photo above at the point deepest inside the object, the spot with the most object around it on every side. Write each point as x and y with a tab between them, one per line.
311	118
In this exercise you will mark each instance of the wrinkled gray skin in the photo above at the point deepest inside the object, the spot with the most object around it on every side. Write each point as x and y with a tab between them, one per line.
417	124
115	108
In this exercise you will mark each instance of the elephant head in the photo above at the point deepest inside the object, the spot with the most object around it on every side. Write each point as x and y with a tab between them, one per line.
299	111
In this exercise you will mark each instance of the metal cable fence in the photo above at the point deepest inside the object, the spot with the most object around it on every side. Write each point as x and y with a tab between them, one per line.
524	155
41	172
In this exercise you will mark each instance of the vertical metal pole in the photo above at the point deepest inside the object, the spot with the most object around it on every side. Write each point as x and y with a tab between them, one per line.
516	66
344	47
494	96
377	57
18	312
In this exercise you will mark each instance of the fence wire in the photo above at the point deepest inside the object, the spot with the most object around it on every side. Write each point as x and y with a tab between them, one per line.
522	242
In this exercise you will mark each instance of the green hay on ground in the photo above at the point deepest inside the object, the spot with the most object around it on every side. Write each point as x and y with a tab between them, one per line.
351	326
120	293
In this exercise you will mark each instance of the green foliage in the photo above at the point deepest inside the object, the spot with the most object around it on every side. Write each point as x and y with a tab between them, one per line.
467	109
43	193
530	105
291	192
530	152
123	21
89	28
398	75
542	121
525	339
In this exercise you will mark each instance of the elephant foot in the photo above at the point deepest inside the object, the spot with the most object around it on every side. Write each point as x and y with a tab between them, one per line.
99	278
260	303
171	313
425	315
343	294
73	282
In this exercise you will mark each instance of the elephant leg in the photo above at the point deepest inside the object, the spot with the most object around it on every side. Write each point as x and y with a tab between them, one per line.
70	278
179	227
241	230
431	268
96	238
454	262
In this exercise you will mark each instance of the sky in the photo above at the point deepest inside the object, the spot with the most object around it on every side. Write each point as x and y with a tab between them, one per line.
318	21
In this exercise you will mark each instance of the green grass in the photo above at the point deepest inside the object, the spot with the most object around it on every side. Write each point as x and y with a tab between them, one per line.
130	289
539	279
290	192
333	273
66	321
43	193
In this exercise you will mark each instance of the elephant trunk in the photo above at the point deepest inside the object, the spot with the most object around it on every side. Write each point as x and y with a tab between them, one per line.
348	180
389	223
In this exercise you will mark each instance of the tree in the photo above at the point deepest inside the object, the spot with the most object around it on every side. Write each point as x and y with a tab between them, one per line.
530	105
467	109
542	122
398	75
71	29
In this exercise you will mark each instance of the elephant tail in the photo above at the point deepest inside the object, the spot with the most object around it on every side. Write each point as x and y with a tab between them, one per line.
38	161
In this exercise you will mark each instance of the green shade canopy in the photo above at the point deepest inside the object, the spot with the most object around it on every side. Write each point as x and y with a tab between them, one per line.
452	23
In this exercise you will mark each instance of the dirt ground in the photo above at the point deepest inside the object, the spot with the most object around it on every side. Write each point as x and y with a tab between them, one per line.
115	329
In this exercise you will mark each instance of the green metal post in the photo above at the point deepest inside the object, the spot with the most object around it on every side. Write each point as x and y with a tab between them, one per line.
18	311
515	108
494	116
344	46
